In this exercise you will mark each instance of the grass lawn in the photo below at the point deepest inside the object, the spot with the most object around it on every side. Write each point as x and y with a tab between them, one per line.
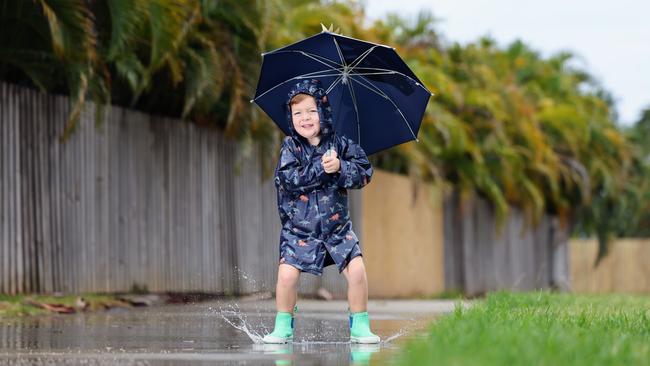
538	329
14	305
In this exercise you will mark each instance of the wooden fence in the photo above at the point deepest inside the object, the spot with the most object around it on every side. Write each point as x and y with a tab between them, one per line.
625	269
149	202
138	201
478	259
403	232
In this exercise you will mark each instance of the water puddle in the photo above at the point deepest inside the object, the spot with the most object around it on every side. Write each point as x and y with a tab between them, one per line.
215	331
240	320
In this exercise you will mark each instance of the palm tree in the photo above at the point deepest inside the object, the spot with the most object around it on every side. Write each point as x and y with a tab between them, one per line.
512	126
52	45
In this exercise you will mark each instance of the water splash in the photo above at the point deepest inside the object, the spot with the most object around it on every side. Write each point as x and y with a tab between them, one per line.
412	326
253	283
235	317
243	275
399	333
238	320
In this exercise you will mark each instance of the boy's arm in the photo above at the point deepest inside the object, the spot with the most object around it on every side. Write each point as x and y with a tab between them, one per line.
293	176
356	170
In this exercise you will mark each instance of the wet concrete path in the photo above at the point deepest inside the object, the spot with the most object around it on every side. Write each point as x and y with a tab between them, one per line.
207	333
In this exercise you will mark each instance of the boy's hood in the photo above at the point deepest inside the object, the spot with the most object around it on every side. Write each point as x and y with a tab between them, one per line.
314	88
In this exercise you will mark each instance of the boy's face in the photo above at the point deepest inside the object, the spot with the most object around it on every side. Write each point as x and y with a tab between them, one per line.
305	118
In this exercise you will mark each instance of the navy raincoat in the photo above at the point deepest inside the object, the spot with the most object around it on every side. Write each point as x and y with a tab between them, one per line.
313	205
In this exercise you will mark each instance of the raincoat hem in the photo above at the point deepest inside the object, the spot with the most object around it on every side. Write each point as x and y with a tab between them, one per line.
351	257
302	268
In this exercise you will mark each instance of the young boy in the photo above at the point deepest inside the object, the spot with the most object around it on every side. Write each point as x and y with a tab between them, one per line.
315	170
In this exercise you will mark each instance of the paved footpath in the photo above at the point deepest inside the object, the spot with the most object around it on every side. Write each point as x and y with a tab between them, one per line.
214	332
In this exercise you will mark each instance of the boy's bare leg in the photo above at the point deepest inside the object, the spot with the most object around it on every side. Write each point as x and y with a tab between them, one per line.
286	290
360	331
355	274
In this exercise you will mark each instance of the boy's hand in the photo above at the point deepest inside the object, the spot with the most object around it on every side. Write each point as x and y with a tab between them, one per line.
331	162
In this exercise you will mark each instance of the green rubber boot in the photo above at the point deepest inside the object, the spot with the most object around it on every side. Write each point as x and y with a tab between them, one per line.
283	330
361	354
360	329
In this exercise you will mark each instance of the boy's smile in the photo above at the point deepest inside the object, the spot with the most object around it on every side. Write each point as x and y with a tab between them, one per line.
306	120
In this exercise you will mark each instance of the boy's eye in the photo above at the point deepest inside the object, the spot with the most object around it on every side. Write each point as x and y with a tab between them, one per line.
310	111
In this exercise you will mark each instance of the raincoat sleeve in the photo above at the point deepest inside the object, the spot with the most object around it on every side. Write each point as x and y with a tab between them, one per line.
356	170
292	175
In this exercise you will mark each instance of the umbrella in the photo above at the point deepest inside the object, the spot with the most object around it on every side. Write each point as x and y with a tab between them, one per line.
376	99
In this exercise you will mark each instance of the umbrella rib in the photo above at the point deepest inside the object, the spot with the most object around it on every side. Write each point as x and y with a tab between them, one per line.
309	74
312	56
322	75
373	68
356	62
376	73
316	73
381	69
356	110
333	84
388	71
382	94
340	53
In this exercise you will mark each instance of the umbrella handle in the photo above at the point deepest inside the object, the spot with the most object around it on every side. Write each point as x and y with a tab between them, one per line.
331	148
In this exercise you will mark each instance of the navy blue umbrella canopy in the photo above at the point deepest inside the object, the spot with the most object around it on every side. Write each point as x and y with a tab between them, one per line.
376	99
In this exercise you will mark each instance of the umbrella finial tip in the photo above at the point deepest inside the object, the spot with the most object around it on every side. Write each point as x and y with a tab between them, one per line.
417	140
252	100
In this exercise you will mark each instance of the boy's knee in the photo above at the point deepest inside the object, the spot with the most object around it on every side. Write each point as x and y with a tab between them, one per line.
288	276
356	276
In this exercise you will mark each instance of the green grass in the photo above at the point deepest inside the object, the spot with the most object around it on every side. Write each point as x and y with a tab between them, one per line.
445	295
538	329
13	305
